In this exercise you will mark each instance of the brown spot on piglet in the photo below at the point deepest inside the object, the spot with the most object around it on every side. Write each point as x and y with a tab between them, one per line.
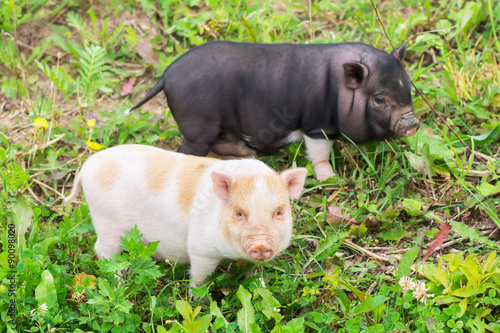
191	168
157	166
107	176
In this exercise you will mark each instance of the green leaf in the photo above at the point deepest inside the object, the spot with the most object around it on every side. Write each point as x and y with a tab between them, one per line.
254	328
161	329
23	213
407	261
464	292
472	234
246	314
357	231
329	246
184	309
370	304
436	275
215	311
204	323
412	207
45	292
267	304
295	325
104	287
486	189
94	72
479	140
14	176
392	235
61	79
463	307
345	303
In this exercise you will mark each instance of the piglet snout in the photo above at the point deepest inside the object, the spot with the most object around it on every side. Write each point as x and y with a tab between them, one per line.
411	131
260	251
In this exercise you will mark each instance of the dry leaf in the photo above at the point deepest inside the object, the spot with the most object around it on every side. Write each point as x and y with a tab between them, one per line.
147	53
371	222
428	131
335	216
438	242
128	87
77	280
312	242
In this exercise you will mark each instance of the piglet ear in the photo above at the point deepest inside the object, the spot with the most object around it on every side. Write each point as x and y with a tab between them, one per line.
400	51
354	73
294	180
221	185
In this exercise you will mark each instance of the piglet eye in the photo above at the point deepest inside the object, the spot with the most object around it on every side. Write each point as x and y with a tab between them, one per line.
380	100
280	213
239	215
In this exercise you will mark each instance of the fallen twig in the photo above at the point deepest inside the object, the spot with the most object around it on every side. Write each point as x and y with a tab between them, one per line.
48	187
50	143
453	242
369	253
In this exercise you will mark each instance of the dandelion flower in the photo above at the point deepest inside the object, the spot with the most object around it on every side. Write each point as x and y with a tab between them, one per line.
40	124
91	122
93	145
407	283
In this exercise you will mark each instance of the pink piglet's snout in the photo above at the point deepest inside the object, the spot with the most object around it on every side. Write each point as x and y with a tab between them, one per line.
260	251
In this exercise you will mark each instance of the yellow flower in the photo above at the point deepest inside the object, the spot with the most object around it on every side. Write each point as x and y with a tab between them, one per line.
40	124
93	145
91	122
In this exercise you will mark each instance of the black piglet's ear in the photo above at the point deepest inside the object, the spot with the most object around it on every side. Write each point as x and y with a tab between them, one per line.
354	73
400	52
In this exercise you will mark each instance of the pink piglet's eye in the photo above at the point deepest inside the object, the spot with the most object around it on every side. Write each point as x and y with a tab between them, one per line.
239	214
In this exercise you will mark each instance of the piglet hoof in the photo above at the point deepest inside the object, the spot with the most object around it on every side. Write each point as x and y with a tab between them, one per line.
192	285
261	252
323	170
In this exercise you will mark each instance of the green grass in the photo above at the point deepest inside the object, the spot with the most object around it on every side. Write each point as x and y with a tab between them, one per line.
65	62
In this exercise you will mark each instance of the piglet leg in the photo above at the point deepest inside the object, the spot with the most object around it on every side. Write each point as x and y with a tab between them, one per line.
319	154
201	267
108	240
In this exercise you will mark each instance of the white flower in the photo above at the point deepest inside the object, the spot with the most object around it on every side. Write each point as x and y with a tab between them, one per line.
420	286
42	308
417	268
407	283
422	296
420	292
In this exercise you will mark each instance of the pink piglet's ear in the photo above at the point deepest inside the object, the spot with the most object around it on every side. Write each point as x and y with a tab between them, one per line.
221	183
294	180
